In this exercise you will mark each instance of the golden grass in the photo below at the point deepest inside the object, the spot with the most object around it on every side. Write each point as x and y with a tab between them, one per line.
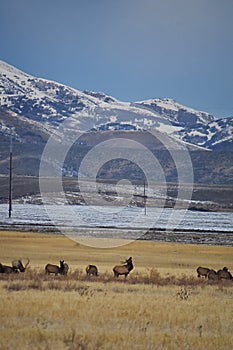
172	258
161	305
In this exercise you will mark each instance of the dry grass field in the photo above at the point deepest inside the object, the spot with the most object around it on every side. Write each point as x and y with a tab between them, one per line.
161	304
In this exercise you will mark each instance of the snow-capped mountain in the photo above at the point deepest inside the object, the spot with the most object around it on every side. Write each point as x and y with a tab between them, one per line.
46	104
51	103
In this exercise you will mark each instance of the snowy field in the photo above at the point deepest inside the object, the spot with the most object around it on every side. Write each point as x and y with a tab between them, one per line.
128	217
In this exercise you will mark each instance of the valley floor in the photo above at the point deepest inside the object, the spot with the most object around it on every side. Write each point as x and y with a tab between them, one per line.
161	304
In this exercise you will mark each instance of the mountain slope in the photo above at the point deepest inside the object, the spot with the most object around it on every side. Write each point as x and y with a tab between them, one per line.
32	109
176	113
22	129
216	135
49	103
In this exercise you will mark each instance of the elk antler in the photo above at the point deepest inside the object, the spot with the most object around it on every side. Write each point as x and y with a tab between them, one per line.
28	261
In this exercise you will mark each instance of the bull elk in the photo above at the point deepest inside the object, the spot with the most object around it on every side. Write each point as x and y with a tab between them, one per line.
50	268
18	265
123	269
202	271
91	270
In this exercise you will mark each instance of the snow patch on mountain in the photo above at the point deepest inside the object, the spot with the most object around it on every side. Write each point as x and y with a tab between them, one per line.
176	113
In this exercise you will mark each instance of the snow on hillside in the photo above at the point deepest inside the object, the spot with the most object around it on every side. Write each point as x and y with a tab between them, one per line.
177	113
49	103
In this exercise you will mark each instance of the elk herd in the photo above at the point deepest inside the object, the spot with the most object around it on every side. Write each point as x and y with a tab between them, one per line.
91	270
63	268
118	270
210	274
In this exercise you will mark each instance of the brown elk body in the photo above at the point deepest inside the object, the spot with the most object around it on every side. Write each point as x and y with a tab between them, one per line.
7	269
224	274
202	271
123	269
91	270
212	275
50	268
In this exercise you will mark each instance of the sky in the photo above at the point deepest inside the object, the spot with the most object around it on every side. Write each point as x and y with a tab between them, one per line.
130	49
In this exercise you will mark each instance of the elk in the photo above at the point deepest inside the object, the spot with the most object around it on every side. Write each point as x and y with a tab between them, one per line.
212	275
224	274
91	270
202	271
123	269
18	265
65	269
7	269
50	268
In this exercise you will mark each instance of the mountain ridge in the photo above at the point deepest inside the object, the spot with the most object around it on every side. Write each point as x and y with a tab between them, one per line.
50	103
32	109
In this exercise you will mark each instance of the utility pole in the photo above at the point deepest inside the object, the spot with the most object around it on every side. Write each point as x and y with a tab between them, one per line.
144	196
10	180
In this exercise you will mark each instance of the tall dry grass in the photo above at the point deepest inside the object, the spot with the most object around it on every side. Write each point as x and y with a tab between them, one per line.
161	305
60	313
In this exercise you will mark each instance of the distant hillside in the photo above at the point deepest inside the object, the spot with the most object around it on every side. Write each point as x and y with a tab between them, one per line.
33	109
208	167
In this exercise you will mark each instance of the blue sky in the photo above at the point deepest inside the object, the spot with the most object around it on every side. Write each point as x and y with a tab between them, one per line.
130	49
